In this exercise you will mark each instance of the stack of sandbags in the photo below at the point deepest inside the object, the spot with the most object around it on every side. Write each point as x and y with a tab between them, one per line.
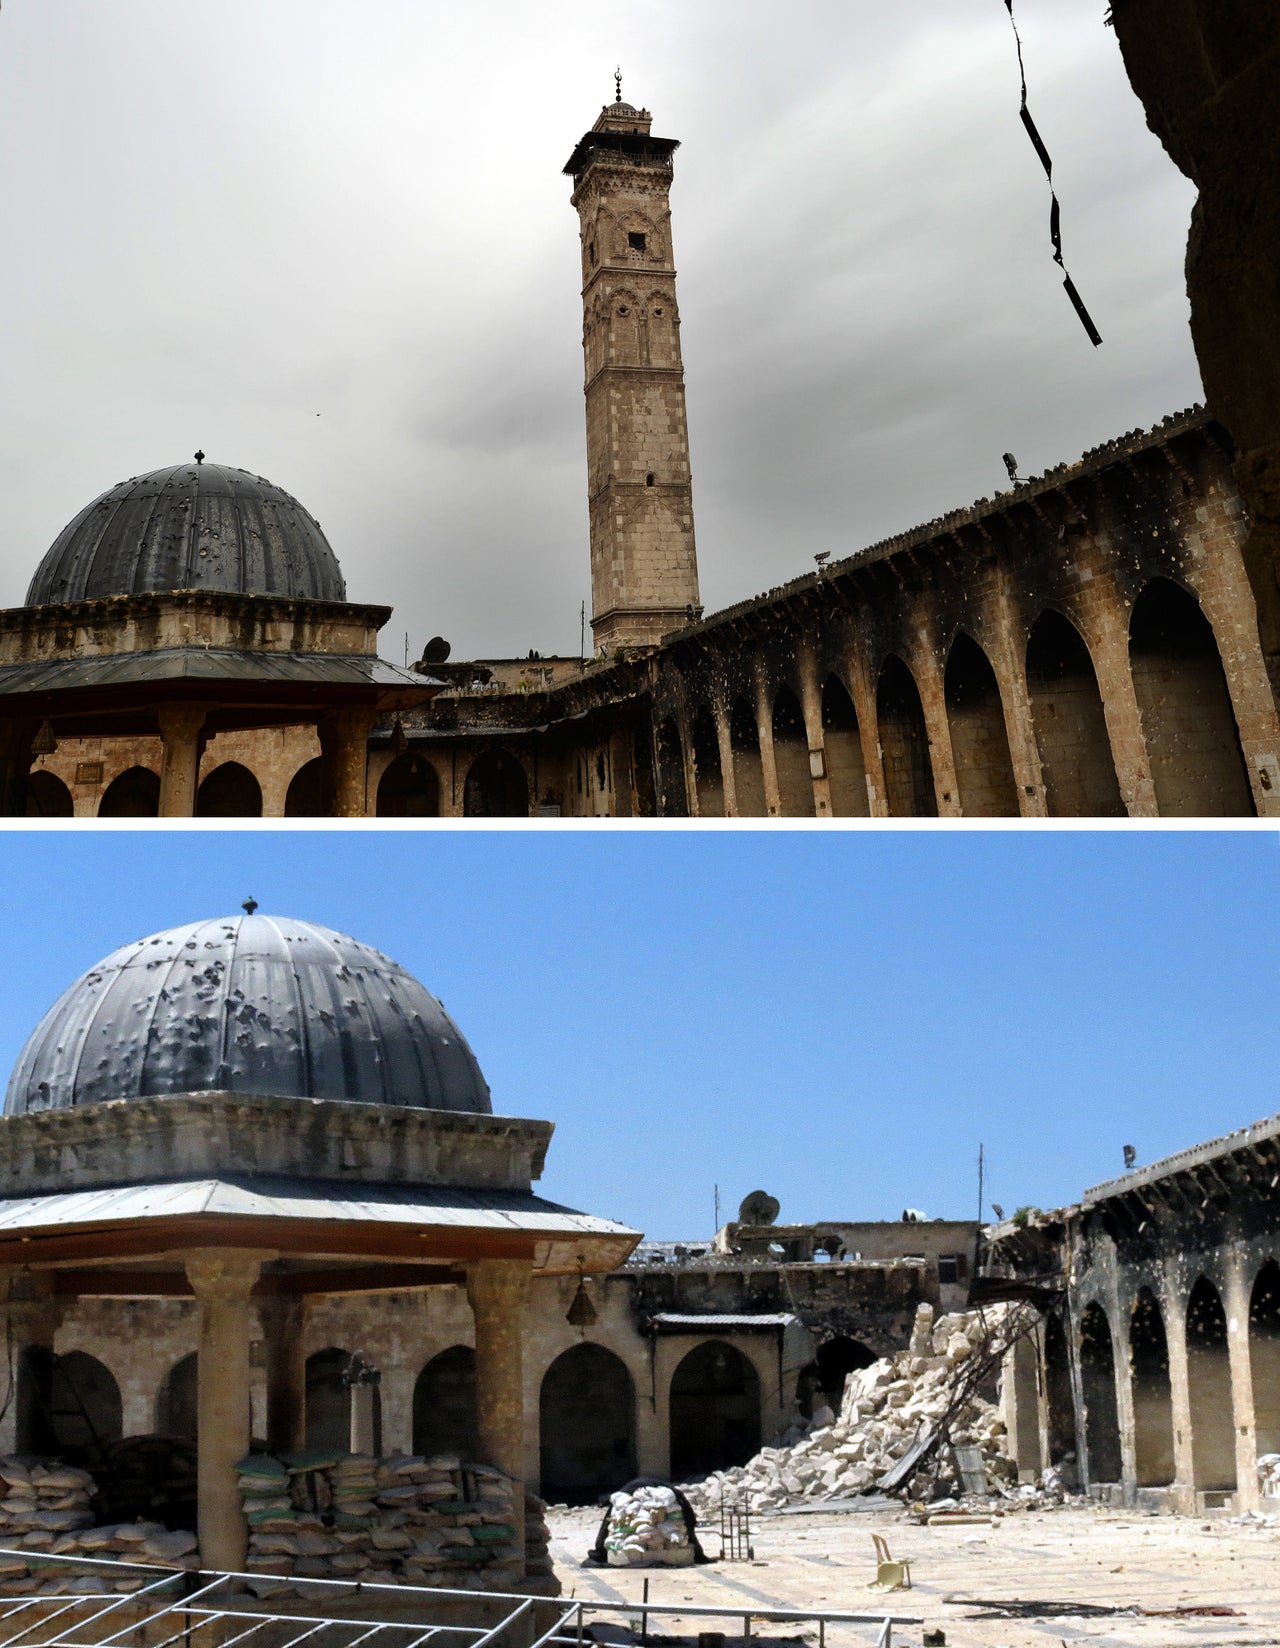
399	1520
885	1409
42	1500
647	1528
537	1540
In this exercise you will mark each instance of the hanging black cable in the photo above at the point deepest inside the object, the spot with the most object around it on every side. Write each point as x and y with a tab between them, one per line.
1055	226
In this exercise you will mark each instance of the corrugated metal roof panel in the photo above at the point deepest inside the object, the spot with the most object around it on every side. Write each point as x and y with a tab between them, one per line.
438	1205
213	664
765	1321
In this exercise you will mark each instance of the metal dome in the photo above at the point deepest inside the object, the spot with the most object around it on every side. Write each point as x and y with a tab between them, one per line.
253	1004
194	526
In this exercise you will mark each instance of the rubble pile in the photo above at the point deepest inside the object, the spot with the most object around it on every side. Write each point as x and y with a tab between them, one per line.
402	1520
46	1508
647	1528
885	1409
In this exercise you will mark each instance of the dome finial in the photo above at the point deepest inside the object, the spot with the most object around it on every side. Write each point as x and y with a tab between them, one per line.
249	906
617	84
199	456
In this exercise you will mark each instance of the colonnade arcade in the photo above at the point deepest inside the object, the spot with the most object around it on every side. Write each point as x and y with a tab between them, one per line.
1095	712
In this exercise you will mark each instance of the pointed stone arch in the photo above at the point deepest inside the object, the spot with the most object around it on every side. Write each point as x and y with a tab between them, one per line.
673	797
444	1404
1213	1426
134	793
706	765
1060	1419
842	741
1098	1389
229	791
1264	1355
1070	727
1152	1393
305	796
586	1425
904	743
1188	723
48	796
714	1408
979	741
409	788
176	1400
85	1409
791	756
496	787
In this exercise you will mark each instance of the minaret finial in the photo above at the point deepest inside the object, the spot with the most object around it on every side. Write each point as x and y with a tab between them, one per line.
249	906
617	84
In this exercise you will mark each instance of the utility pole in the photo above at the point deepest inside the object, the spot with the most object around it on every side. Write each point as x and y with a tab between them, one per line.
980	1204
717	1224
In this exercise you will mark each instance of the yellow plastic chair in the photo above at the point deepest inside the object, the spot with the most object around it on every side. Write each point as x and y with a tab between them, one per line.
890	1575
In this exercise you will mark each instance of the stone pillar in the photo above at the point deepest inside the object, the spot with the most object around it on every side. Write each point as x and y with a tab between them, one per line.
344	750
933	704
764	731
397	1387
33	1317
811	709
283	1318
180	729
728	778
1020	1401
1124	722
496	1290
222	1280
1122	1372
1235	1301
863	691
1173	1305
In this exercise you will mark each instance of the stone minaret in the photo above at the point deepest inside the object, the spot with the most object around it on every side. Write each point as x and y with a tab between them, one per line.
644	572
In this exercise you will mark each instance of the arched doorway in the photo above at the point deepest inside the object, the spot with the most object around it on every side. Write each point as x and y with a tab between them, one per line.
1152	1394
1188	724
48	796
1264	1356
1059	1407
444	1404
409	788
85	1410
748	774
715	1411
846	770
134	794
673	800
496	787
1213	1425
176	1400
979	742
904	744
706	766
329	1400
837	1358
1098	1387
791	757
1070	727
305	796
587	1425
229	791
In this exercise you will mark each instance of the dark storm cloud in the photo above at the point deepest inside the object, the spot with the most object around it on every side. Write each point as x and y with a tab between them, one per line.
217	234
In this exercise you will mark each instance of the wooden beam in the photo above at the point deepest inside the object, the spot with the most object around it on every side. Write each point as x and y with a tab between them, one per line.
312	1238
106	1282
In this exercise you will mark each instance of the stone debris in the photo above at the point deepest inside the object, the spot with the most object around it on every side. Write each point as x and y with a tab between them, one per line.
402	1520
1269	1474
886	1408
46	1510
647	1528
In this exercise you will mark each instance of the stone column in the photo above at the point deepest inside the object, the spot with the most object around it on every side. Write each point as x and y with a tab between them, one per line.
1121	713
1020	1401
1173	1304
34	1314
397	1387
222	1280
496	1290
725	743
180	729
764	731
344	750
1235	1301
283	1318
811	708
863	691
1122	1372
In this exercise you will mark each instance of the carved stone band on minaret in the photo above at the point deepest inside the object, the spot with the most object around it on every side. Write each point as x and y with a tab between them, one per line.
644	571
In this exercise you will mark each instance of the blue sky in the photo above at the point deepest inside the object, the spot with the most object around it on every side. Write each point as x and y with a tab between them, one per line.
838	1018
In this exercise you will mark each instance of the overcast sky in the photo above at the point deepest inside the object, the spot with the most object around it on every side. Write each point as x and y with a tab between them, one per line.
330	243
839	1020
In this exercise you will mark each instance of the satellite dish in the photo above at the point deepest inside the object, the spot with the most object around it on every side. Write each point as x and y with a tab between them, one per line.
436	650
759	1208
